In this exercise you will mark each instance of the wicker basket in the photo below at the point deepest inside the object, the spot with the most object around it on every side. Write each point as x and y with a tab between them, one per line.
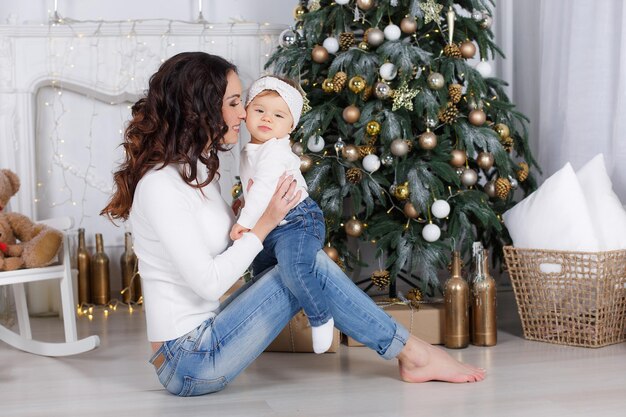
570	298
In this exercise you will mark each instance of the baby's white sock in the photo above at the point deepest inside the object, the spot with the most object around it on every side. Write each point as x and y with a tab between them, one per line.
323	336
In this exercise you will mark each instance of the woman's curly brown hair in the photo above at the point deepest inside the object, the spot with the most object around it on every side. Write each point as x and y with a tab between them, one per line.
179	121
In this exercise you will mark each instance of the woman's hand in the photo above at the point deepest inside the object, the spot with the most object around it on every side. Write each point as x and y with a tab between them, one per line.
284	199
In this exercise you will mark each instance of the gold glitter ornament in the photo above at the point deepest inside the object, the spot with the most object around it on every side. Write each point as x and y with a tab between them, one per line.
403	97
365	4
503	188
328	86
346	40
354	175
381	278
319	54
427	140
452	50
356	84
507	143
455	92
522	173
449	114
408	25
468	49
485	160
458	158
351	114
350	153
431	11
477	117
372	128
235	191
339	81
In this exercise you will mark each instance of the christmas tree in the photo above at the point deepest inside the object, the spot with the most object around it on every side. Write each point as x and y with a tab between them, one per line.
407	141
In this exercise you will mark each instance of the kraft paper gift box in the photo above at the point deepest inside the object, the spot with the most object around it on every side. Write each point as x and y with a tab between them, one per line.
425	320
297	337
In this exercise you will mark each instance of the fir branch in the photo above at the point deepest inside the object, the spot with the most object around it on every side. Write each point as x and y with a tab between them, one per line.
404	55
315	178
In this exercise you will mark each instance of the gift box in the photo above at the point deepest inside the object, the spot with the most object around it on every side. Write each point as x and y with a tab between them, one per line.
297	337
424	320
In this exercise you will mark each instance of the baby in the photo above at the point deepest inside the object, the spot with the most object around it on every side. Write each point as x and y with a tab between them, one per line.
273	109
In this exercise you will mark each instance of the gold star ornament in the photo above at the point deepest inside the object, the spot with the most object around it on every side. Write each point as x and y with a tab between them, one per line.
403	97
431	11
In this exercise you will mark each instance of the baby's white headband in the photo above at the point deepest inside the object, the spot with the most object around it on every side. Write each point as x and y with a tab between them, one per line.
291	95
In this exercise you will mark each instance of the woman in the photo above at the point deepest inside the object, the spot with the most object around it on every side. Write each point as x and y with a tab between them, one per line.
167	188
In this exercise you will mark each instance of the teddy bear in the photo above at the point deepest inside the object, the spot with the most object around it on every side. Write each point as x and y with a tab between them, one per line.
23	243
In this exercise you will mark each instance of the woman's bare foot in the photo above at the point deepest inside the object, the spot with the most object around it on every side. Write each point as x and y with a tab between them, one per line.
421	362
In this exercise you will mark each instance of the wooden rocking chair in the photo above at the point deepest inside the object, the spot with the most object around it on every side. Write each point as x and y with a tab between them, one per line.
61	271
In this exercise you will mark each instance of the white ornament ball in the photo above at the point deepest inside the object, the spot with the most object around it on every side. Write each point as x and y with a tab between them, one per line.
331	44
344	2
477	15
440	209
388	71
487	22
431	232
371	163
484	68
392	32
315	143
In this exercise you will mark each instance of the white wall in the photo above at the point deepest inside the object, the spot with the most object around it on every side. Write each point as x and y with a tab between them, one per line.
215	11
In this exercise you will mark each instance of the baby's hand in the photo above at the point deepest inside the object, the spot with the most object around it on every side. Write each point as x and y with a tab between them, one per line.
237	231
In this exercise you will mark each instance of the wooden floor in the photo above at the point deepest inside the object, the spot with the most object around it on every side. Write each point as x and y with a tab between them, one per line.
524	379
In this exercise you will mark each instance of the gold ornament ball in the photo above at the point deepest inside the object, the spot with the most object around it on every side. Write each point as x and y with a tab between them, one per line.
306	163
457	158
468	49
399	147
408	25
477	117
485	160
428	140
372	128
365	4
356	84
328	86
351	114
297	148
354	228
364	46
319	54
410	211
490	189
332	253
298	12
401	192
236	190
502	130
350	153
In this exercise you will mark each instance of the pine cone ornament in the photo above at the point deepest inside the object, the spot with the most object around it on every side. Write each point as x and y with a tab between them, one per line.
381	278
507	143
455	92
339	81
522	174
367	93
452	50
365	150
415	295
341	265
449	114
503	187
354	175
346	40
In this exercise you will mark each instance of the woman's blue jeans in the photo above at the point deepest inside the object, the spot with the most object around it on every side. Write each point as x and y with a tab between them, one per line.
206	359
294	246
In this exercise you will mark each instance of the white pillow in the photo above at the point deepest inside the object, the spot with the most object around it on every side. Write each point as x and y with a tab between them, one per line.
607	214
555	216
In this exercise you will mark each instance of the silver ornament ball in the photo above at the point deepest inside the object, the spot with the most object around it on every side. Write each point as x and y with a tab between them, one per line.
387	160
435	80
382	90
286	38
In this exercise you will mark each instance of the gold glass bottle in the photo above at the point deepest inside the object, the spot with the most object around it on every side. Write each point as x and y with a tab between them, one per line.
128	263
83	260
456	305
484	330
100	281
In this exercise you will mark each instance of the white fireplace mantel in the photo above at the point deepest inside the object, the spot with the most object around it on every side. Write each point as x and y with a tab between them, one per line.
107	61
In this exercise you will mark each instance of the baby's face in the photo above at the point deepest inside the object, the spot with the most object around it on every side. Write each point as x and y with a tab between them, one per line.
268	117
